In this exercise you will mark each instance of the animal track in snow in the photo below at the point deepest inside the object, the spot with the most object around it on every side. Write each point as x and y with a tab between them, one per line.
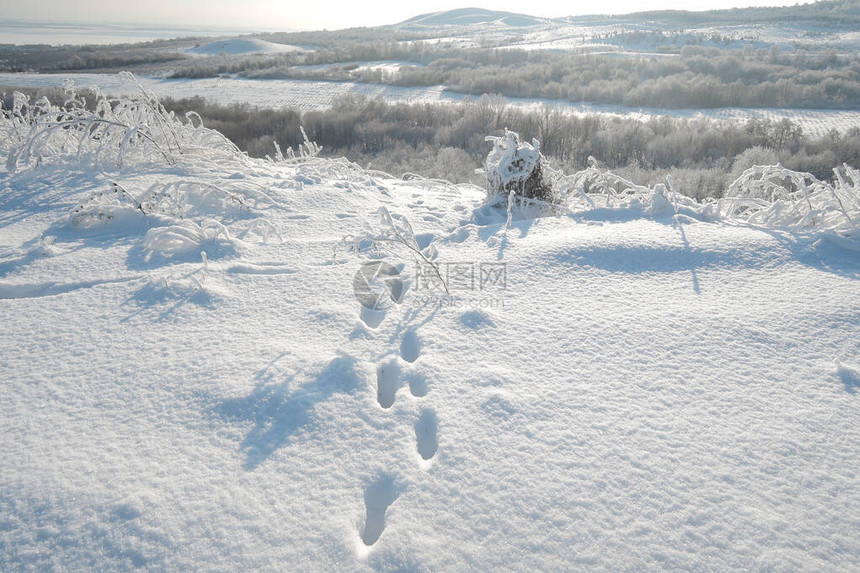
387	383
426	434
417	384
460	235
371	318
378	496
410	346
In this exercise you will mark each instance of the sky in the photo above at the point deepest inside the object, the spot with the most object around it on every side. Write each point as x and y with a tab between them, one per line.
309	15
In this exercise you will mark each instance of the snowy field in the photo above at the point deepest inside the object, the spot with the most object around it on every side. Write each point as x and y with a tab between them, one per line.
190	380
319	95
388	66
240	46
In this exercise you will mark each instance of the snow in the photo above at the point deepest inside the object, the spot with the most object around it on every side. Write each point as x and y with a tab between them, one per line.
604	387
389	66
308	95
241	46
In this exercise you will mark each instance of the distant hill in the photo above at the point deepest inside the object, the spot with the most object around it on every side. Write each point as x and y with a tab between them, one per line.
838	13
831	12
472	17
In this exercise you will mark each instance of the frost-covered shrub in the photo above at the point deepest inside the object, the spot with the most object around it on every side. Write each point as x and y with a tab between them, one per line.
109	135
187	237
773	196
515	168
104	205
173	200
766	195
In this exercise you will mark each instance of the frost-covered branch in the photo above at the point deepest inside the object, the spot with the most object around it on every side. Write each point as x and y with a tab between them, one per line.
108	135
396	235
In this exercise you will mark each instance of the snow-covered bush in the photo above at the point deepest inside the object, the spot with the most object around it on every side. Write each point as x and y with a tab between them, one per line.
767	195
596	187
515	168
102	206
136	128
177	199
187	237
774	196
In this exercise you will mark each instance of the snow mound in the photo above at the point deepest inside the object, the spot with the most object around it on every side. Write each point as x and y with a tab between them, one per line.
241	46
472	17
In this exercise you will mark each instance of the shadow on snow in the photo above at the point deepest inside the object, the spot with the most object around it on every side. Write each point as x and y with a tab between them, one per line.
278	413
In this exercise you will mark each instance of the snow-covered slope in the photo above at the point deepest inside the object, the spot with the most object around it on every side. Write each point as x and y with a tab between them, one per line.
622	387
471	17
240	46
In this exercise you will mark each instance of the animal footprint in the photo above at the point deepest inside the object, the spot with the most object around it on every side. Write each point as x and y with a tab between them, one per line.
417	384
410	346
426	434
372	318
387	383
378	496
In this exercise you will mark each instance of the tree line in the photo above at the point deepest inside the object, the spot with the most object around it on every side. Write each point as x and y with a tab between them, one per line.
447	140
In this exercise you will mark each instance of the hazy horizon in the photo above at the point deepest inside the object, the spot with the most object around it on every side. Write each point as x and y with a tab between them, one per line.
268	15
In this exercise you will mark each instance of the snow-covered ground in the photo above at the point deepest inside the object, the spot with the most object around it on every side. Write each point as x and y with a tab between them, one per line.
190	381
309	95
241	46
384	65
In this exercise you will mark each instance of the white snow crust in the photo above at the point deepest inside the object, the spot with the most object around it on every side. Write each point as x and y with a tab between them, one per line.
634	382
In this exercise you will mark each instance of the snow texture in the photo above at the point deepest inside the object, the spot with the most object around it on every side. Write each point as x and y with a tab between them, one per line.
630	381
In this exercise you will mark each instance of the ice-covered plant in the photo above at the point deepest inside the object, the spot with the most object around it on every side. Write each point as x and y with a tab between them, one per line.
173	200
395	237
304	151
183	237
774	196
514	168
109	134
